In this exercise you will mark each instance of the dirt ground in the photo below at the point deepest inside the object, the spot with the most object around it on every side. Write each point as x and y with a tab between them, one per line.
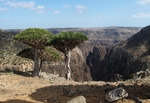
23	89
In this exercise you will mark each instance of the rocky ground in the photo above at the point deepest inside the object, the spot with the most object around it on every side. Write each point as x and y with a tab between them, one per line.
25	89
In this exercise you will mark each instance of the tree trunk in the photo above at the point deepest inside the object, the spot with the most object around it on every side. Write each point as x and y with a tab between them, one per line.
69	59
67	64
36	63
67	55
40	67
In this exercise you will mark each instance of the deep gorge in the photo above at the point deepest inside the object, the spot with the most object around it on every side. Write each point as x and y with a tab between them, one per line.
108	55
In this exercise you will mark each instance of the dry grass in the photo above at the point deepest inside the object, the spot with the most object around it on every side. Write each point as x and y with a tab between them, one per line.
21	89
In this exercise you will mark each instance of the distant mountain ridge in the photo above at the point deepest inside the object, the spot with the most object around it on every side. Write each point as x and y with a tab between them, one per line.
96	33
107	36
111	33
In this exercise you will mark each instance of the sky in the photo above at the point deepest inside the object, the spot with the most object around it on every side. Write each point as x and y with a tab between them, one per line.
23	14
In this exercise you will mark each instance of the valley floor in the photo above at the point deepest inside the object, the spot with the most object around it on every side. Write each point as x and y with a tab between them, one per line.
23	89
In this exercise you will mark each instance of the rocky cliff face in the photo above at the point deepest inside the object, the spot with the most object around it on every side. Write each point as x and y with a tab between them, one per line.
79	70
106	37
124	59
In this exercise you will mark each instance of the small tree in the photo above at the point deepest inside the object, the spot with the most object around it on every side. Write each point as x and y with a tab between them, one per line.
47	54
65	42
36	38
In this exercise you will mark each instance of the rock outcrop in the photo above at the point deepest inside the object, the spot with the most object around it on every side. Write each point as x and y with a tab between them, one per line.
124	59
79	70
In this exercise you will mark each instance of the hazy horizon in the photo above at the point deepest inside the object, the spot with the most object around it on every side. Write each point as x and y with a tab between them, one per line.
72	27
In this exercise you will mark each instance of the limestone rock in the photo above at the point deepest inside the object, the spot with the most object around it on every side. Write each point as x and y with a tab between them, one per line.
116	94
79	99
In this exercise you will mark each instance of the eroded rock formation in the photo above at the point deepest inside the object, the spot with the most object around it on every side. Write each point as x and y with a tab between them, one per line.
123	60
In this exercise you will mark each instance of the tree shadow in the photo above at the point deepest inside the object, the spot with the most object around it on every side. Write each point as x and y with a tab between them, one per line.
15	101
62	93
136	91
92	93
25	74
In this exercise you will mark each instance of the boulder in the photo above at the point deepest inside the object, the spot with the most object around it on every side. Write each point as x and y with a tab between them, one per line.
79	99
116	94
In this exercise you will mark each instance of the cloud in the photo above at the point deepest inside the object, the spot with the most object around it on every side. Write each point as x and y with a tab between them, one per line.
3	9
80	8
143	2
141	15
56	12
66	6
26	5
40	9
15	5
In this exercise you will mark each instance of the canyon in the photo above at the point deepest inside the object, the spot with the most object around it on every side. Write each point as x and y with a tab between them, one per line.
99	58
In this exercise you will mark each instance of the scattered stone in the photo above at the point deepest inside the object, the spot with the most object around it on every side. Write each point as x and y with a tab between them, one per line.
141	74
79	99
48	76
116	94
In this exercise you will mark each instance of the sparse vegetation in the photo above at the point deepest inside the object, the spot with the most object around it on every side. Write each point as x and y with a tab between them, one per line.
65	42
16	88
36	38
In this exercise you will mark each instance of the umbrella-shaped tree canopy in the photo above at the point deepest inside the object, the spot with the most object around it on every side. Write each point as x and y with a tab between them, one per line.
68	40
35	37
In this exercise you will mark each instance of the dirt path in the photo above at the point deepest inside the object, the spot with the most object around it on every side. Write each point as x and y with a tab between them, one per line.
21	89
